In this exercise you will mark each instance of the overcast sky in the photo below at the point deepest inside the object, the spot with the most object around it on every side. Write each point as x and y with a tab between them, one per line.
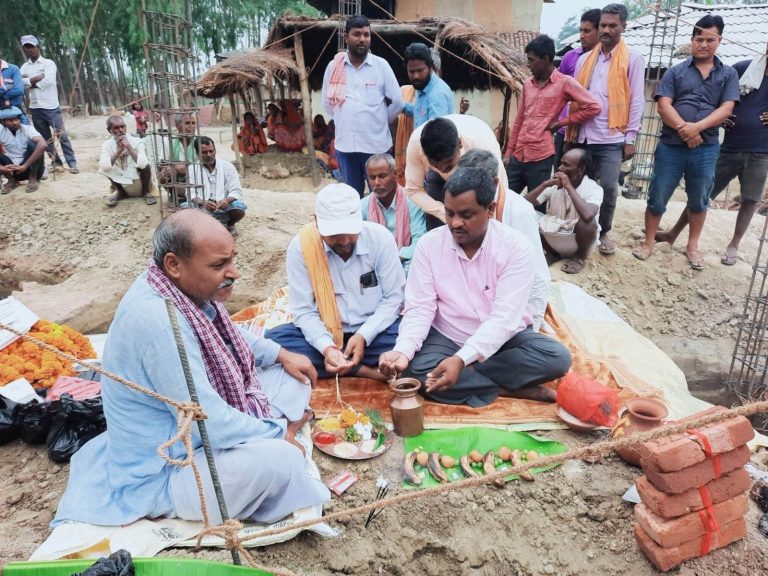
553	16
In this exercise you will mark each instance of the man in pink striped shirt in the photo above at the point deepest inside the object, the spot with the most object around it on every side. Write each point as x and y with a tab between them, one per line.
466	329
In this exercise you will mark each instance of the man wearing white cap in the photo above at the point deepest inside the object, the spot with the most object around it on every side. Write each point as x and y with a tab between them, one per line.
24	150
39	75
346	288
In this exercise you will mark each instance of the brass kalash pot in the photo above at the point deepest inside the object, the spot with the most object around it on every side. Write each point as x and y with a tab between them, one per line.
407	407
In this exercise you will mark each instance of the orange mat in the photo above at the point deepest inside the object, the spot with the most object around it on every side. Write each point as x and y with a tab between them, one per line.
362	393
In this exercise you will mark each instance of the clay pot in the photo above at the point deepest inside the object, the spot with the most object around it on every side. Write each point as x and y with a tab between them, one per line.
642	414
407	407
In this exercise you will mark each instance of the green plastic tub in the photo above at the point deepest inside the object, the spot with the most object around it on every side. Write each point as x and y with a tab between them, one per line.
144	567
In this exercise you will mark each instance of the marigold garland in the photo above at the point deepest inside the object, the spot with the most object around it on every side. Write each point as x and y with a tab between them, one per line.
41	368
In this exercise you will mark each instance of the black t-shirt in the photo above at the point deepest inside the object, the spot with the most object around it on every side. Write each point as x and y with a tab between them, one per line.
749	134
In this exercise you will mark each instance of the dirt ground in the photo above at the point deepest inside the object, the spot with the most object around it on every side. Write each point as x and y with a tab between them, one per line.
70	258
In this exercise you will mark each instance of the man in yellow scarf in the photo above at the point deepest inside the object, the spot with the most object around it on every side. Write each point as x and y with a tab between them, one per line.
614	75
346	288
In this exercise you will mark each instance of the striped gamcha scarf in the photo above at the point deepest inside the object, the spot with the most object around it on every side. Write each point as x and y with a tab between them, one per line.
231	373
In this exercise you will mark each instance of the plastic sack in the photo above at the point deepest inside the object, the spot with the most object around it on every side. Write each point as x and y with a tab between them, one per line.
588	400
33	420
8	429
75	422
116	564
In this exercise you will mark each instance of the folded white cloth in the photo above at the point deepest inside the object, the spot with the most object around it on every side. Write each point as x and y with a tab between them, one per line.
753	75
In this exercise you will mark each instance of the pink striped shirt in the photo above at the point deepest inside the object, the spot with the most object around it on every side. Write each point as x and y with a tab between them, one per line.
479	303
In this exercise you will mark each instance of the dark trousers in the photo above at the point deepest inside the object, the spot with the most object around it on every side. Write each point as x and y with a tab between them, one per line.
352	166
36	169
434	186
559	149
290	337
527	359
43	120
607	159
522	175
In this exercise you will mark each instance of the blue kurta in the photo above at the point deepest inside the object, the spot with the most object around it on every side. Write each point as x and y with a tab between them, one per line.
117	477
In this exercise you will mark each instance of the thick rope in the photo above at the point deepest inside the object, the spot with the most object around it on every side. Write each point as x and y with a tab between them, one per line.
589	453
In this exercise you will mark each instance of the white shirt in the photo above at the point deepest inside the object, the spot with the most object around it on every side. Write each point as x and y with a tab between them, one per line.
473	133
589	191
220	183
520	215
362	121
16	144
125	169
366	311
46	93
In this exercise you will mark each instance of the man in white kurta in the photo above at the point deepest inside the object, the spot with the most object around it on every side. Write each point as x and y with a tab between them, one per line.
123	161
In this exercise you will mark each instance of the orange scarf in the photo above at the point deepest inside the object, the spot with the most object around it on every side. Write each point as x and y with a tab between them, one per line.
618	88
404	131
337	83
501	197
402	216
316	261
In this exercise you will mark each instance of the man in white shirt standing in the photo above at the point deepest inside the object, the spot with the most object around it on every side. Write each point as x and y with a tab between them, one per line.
123	160
39	75
24	150
361	94
218	186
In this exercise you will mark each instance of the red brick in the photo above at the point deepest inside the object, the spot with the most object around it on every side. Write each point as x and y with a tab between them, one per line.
676	531
673	505
678	452
666	558
696	475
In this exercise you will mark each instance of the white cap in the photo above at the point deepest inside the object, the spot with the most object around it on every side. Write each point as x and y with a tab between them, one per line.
29	39
337	210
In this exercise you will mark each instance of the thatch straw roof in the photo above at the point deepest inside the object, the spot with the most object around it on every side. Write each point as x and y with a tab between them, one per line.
471	57
251	68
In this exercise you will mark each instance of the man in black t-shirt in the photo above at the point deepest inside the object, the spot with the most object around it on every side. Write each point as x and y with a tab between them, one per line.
743	154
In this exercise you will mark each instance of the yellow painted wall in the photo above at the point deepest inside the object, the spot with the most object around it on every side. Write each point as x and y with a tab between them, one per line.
495	15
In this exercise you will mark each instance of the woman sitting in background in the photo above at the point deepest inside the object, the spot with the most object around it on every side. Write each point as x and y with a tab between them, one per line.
251	138
289	134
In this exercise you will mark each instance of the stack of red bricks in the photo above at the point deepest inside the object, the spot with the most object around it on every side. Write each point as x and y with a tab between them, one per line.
694	492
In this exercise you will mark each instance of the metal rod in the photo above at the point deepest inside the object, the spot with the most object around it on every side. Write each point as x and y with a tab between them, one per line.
200	423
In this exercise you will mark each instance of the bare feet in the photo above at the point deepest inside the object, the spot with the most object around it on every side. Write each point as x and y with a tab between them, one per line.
665	236
538	393
642	252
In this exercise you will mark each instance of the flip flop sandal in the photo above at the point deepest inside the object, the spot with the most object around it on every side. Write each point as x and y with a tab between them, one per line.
113	200
607	247
9	187
32	187
729	260
573	265
695	260
150	200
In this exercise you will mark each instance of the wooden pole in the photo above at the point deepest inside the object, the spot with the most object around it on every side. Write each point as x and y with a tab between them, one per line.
235	141
505	120
307	105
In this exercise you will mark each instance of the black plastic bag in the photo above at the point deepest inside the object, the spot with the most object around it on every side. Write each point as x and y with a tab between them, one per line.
116	564
75	422
8	429
33	420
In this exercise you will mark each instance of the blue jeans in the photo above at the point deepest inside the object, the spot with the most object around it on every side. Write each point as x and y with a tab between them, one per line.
352	166
43	120
607	159
290	337
671	163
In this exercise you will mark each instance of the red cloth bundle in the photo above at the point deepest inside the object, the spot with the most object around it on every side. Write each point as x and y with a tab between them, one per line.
588	400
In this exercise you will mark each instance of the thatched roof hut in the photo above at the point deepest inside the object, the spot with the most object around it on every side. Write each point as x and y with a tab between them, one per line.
238	73
471	57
